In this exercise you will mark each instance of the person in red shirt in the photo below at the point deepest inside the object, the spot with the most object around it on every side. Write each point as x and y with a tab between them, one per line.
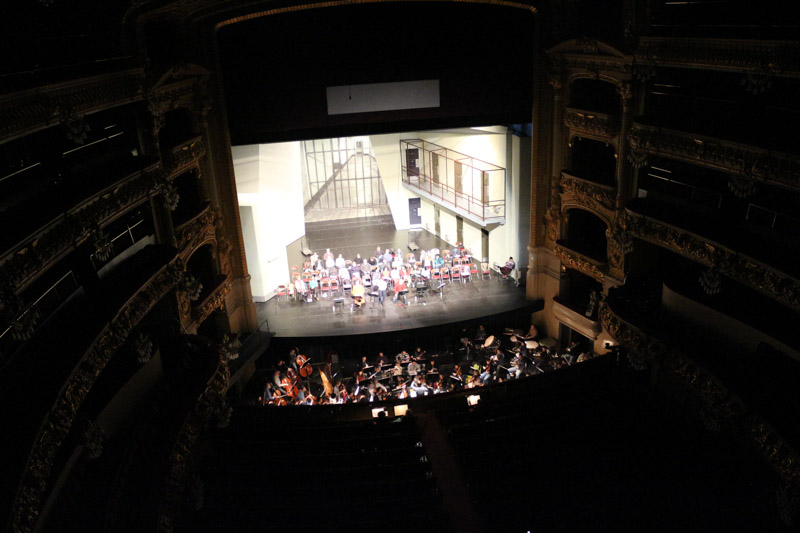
400	290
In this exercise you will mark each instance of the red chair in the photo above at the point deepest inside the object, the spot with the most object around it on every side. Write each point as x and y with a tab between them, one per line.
280	291
473	270
334	285
436	273
455	273
445	273
325	286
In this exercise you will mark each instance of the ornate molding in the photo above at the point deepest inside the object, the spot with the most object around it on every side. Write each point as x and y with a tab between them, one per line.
591	123
641	348
178	159
733	55
745	270
717	403
581	263
210	403
720	154
59	420
585	194
196	231
213	301
20	265
27	111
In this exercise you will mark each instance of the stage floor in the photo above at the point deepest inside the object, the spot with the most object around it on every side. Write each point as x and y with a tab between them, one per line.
459	301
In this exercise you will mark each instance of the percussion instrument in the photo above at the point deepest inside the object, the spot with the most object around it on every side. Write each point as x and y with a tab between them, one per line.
489	341
531	345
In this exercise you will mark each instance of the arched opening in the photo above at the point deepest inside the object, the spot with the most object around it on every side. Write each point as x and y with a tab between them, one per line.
593	160
594	95
203	267
586	234
191	200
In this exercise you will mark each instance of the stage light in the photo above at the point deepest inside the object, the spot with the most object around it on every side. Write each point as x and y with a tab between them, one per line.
473	399
400	410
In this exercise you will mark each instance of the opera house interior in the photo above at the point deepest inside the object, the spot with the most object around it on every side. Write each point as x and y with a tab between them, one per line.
384	265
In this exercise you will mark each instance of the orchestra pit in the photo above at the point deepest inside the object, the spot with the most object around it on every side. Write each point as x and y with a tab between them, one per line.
375	266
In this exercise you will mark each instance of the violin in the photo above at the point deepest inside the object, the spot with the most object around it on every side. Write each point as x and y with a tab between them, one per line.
304	364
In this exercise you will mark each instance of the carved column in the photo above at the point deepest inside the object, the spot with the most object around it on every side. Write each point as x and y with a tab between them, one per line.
558	139
623	169
553	214
162	221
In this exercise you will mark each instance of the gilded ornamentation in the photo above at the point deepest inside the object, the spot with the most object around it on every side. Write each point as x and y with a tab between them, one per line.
717	404
578	192
579	262
625	92
56	426
184	155
735	55
20	266
728	262
590	123
196	231
26	111
757	163
213	301
210	406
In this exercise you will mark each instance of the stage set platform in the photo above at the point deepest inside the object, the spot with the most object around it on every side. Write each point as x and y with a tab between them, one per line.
458	301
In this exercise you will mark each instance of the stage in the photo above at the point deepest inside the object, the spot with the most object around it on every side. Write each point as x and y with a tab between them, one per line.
458	302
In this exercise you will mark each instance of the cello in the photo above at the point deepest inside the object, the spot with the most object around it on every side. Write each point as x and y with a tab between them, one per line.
304	366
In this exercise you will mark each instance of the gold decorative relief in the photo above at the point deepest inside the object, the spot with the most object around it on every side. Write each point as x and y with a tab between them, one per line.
57	424
581	263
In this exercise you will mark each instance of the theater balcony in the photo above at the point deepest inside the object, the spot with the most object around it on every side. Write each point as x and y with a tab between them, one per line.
49	377
727	386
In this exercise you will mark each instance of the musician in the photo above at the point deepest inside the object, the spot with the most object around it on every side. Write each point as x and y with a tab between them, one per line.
400	290
402	357
382	360
418	355
357	292
419	387
397	370
382	285
480	335
456	379
413	369
438	262
375	386
363	364
314	258
328	258
533	333
506	269
300	289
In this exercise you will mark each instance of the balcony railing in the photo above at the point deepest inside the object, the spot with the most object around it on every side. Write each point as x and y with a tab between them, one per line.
580	262
591	123
471	187
178	157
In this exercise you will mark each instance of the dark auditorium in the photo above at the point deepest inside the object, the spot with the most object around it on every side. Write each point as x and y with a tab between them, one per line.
457	266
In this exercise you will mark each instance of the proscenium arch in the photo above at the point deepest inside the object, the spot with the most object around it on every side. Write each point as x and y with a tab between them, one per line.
349	3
